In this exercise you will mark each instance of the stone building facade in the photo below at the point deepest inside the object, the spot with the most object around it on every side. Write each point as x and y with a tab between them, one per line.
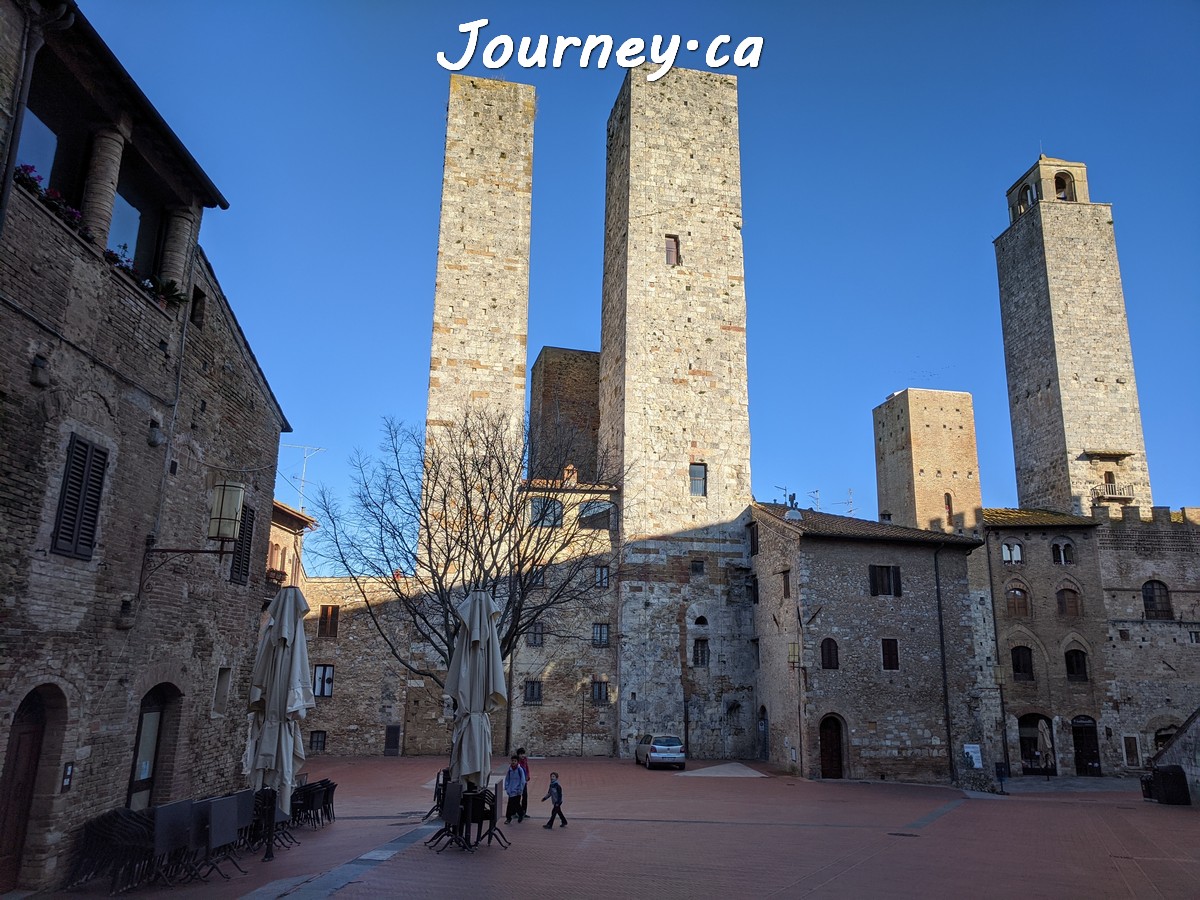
875	657
127	412
1097	641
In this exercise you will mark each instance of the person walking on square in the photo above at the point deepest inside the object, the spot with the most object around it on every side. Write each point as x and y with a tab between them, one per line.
514	784
554	793
524	764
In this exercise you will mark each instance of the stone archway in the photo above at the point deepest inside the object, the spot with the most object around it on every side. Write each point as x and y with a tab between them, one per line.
832	756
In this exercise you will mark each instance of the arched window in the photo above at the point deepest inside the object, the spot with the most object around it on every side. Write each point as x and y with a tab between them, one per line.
829	654
1064	186
1076	665
1062	553
1010	553
1027	199
1157	600
1069	602
1022	664
701	621
1017	596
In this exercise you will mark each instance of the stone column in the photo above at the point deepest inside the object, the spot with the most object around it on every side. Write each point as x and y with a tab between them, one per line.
100	190
178	237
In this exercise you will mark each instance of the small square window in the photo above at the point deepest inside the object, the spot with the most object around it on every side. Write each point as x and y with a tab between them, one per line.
537	577
698	477
322	681
885	581
600	634
533	693
697	567
221	694
535	635
672	246
1194	637
316	741
891	654
327	625
601	576
599	692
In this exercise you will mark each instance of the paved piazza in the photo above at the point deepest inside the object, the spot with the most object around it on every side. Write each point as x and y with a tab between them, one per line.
735	830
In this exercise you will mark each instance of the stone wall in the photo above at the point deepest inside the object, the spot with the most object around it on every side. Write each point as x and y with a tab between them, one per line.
1071	382
892	723
481	297
564	407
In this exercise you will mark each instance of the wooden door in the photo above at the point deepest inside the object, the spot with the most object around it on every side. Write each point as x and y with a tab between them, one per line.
16	788
1087	746
391	741
831	748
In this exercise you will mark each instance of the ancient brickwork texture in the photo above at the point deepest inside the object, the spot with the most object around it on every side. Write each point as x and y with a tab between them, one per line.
481	298
893	723
78	628
1050	630
1155	662
673	332
1070	367
564	407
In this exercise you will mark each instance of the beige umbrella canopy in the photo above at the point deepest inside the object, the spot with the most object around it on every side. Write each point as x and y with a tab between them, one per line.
475	683
1045	745
280	695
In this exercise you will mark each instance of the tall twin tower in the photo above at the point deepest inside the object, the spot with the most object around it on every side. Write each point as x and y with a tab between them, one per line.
664	403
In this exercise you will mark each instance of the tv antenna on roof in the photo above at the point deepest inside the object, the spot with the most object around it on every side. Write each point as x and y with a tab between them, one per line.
849	504
816	495
789	500
304	466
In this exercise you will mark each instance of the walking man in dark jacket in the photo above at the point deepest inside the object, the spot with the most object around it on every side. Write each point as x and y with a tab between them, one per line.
554	793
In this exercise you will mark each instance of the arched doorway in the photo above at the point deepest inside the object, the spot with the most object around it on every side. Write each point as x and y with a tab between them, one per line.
1037	745
831	747
764	734
153	747
16	788
1087	746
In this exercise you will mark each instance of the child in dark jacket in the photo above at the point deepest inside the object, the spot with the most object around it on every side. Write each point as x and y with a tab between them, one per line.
554	793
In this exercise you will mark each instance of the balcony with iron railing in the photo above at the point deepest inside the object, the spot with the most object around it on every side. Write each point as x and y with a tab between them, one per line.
1112	492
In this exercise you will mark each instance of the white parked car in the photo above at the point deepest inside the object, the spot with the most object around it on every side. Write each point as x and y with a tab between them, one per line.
660	750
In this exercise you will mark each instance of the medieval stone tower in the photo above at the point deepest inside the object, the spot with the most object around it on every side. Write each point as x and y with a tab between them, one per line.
673	404
926	460
1077	427
481	300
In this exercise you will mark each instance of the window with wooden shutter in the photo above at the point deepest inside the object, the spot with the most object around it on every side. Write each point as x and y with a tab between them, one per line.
79	502
327	625
885	581
239	571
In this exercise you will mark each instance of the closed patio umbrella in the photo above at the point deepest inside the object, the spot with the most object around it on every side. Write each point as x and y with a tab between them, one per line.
280	695
1045	746
475	683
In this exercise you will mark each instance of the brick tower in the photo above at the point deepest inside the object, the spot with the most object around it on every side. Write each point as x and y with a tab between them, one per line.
673	401
1077	427
481	300
926	460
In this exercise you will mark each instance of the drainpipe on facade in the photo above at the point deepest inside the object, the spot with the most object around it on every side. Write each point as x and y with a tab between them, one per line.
937	586
996	641
37	23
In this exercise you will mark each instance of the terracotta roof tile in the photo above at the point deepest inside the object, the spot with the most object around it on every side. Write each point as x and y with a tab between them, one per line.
1015	518
812	523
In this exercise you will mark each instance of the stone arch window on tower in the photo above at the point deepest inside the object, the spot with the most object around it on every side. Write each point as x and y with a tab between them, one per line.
546	512
1022	664
1070	603
1026	199
1010	553
1156	600
700	653
1064	186
673	255
1017	598
1076	662
829	654
1062	552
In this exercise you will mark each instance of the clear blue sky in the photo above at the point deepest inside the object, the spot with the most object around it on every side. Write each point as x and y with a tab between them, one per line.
878	139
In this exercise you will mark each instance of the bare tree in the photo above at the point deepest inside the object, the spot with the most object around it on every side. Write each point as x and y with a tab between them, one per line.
434	516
